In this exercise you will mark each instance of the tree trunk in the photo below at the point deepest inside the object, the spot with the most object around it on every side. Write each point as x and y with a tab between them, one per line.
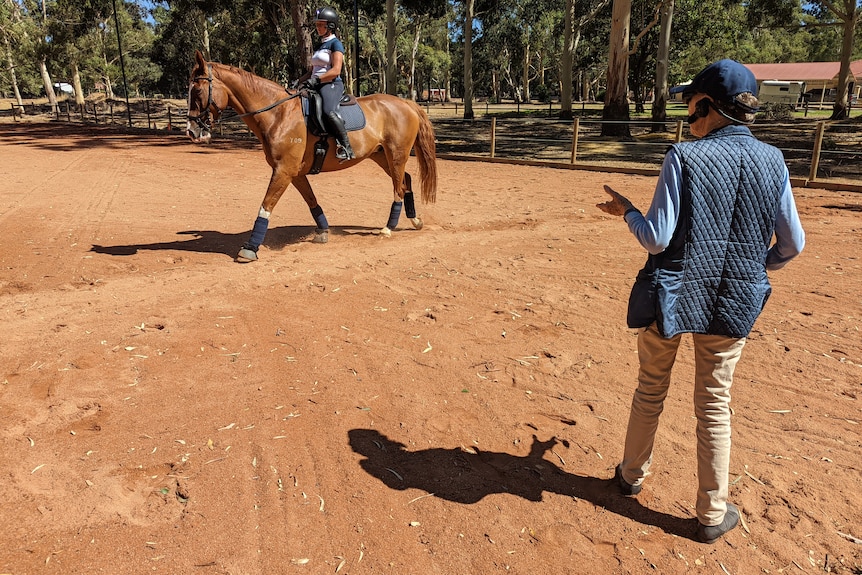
567	61
391	77
841	108
448	77
76	84
49	86
303	35
525	73
468	59
413	94
659	106
12	75
616	106
495	86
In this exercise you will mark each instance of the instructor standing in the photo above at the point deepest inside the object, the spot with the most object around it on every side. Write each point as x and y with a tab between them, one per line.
718	202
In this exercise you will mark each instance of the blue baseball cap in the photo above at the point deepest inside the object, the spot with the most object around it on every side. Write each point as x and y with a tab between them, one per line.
723	81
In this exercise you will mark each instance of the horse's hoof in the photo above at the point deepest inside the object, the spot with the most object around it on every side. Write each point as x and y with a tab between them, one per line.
246	255
386	232
320	236
417	223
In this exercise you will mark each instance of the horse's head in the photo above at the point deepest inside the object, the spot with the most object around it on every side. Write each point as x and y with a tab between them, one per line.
207	97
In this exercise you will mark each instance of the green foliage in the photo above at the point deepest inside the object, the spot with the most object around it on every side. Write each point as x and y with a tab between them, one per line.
542	93
516	48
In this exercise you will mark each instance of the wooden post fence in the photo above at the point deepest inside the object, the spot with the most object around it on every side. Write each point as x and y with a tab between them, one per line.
493	136
576	128
815	156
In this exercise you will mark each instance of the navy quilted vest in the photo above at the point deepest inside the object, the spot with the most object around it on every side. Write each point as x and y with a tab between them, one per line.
712	278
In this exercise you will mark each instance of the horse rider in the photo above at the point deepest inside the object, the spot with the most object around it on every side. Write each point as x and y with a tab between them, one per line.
324	76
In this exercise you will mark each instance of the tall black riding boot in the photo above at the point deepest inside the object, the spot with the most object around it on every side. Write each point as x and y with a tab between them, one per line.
336	123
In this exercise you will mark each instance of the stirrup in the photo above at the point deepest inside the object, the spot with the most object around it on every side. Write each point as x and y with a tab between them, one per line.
344	154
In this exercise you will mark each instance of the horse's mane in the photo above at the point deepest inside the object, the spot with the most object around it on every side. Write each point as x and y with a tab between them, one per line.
248	80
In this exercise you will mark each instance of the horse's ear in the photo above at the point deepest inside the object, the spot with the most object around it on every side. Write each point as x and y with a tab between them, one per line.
200	63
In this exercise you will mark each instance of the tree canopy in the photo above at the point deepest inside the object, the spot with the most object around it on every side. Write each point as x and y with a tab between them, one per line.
520	50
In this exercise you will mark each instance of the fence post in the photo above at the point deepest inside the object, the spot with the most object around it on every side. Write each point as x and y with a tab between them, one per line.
111	111
493	136
678	137
14	112
68	112
170	121
815	156
83	109
147	102
576	128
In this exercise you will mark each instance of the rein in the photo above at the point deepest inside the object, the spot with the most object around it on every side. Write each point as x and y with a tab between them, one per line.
271	106
202	119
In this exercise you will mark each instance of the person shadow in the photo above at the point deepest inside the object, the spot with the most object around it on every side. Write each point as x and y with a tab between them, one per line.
463	477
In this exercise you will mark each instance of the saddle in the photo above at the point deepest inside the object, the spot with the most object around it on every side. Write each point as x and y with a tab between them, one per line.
349	109
312	109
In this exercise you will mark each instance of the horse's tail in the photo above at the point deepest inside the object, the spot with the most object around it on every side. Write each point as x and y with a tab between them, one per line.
426	154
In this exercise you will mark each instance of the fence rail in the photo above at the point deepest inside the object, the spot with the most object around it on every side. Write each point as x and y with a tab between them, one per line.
824	153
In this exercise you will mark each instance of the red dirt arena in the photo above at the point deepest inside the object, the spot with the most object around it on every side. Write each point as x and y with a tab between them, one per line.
449	400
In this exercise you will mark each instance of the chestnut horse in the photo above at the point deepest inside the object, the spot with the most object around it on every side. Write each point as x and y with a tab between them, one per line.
393	127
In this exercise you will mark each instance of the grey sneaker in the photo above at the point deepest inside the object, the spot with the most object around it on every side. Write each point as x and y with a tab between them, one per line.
711	534
625	487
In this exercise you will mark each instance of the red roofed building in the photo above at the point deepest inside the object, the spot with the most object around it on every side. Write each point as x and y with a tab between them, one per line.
819	76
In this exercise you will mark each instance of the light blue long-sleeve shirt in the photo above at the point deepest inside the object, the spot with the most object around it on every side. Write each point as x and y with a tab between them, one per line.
655	229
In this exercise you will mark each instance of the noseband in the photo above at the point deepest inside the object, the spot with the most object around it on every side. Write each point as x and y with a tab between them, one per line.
203	117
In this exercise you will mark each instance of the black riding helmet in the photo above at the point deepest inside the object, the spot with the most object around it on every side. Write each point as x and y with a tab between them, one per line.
329	16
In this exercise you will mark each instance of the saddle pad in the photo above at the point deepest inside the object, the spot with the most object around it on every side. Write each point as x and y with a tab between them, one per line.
353	116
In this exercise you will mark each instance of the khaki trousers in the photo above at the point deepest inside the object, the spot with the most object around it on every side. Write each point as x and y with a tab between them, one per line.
715	359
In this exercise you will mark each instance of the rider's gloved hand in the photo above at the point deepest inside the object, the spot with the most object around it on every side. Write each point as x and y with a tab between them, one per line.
312	83
294	84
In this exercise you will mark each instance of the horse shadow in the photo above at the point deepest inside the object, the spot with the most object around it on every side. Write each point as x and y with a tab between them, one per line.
462	477
215	242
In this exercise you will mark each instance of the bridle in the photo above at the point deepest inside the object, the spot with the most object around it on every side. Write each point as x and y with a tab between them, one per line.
203	117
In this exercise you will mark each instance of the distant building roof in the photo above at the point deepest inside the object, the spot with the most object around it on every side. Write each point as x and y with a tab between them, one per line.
804	71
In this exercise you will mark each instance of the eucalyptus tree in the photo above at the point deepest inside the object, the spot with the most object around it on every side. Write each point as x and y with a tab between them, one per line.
616	98
661	89
616	108
468	11
433	59
14	33
69	30
502	52
847	14
85	42
406	16
37	14
576	16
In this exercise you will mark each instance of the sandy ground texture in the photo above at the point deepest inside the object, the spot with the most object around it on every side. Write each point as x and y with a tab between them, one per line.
450	400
